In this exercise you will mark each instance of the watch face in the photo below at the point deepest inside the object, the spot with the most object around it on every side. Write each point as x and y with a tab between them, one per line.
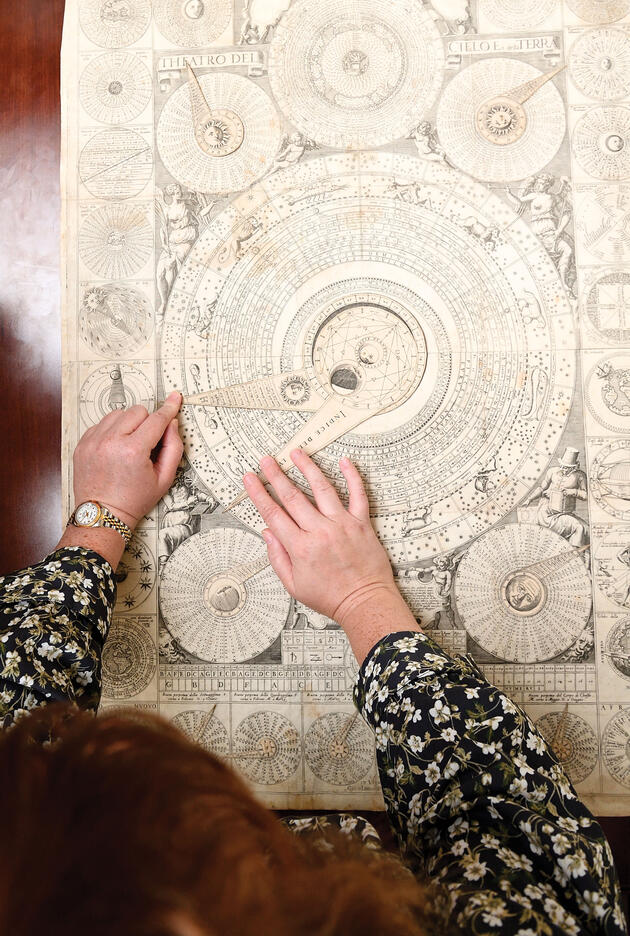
87	514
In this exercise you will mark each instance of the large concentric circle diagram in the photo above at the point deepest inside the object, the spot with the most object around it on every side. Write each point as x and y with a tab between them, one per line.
573	741
115	87
192	23
116	163
266	747
400	254
115	241
616	746
599	63
601	142
339	748
114	24
357	75
599	11
204	728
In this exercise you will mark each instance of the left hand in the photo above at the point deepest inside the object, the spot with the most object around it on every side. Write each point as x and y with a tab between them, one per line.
113	461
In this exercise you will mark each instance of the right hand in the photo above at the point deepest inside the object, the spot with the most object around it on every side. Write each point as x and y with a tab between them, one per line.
113	463
327	557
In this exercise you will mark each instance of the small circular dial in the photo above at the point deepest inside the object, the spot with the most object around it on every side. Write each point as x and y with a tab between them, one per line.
204	728
129	658
266	748
339	748
573	741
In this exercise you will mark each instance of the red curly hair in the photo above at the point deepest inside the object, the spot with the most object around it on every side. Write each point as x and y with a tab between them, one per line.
123	826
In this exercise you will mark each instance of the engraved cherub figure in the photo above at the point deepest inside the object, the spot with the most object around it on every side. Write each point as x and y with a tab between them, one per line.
441	573
427	145
292	148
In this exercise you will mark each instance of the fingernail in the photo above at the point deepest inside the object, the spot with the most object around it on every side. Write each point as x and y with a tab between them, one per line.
266	461
344	461
266	535
295	452
248	478
173	394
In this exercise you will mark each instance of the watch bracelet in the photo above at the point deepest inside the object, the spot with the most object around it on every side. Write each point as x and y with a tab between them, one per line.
109	520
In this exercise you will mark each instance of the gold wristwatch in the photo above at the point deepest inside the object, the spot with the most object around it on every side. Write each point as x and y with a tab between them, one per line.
93	514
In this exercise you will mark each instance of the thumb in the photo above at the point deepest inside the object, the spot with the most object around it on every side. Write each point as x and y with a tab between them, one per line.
280	560
169	456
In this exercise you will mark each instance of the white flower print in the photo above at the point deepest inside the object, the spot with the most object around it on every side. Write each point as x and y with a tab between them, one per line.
432	773
474	870
48	651
416	744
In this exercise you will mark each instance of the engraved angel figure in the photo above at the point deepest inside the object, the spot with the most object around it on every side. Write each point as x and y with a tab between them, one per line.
180	216
549	215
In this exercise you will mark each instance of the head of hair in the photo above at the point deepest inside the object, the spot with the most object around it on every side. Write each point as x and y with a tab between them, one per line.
121	825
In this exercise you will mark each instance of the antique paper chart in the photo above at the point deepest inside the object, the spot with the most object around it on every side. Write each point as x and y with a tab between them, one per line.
398	231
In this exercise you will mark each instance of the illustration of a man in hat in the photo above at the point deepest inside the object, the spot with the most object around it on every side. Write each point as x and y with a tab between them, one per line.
561	488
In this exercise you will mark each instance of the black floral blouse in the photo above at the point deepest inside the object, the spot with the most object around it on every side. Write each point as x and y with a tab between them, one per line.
475	796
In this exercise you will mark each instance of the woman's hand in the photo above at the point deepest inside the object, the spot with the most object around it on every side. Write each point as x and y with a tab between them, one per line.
115	464
326	556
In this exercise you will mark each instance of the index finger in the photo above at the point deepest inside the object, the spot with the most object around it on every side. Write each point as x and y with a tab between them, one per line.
151	430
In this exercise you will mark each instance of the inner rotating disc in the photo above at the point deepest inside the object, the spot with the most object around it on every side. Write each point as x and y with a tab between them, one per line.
369	355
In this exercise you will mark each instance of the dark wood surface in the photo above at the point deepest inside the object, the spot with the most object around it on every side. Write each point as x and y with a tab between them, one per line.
30	479
30	369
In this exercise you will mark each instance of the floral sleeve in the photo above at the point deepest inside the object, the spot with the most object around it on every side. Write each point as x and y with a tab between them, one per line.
478	800
54	618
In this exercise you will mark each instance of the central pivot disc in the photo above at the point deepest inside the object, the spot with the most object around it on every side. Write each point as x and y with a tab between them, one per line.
221	134
223	596
614	143
267	746
501	120
338	750
524	593
355	62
